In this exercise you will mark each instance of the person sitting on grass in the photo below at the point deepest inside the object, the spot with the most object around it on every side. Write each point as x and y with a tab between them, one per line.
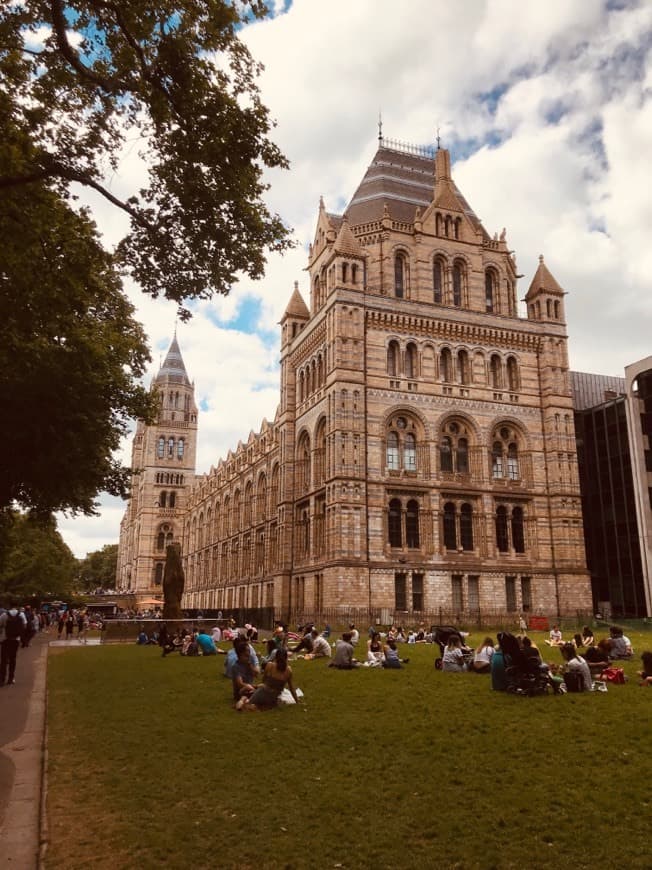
621	646
597	657
575	663
244	673
232	657
587	636
343	659
375	655
321	649
482	656
453	658
646	673
391	658
555	638
306	640
276	676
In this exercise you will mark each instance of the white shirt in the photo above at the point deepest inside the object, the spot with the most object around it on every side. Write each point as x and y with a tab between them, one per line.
355	636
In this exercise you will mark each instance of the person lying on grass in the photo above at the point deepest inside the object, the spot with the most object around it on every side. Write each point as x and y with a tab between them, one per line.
277	675
646	673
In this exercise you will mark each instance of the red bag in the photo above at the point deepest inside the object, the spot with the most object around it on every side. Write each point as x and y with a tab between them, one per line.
613	675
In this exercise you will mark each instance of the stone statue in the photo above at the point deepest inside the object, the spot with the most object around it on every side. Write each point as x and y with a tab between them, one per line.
173	583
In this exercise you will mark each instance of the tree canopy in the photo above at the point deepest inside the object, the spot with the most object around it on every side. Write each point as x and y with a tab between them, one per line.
98	569
37	563
173	77
70	356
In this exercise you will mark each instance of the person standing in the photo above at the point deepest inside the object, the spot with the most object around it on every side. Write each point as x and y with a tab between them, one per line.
12	628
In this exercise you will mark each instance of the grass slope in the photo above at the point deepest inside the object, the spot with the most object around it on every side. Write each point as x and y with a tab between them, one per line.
149	765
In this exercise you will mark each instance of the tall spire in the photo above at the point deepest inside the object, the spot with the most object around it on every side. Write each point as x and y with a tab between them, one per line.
173	363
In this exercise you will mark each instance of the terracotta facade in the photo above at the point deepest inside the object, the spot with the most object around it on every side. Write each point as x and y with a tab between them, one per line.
422	456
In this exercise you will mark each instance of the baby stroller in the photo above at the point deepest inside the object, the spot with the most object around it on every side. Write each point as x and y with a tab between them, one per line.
441	634
525	675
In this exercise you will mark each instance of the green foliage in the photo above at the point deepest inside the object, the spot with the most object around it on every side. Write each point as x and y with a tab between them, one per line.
70	354
36	561
98	569
174	77
434	765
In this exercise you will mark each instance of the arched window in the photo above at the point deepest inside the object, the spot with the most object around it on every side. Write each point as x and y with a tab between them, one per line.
320	454
512	374
518	535
466	526
180	448
496	371
163	499
394	523
450	534
173	499
401	444
412	524
400	276
549	308
303	462
502	536
410	452
438	281
158	574
170	446
261	498
305	528
392	451
160	541
463	367
454	448
411	361
446	365
302	386
160	450
446	454
392	359
457	284
345	272
556	310
246	505
490	285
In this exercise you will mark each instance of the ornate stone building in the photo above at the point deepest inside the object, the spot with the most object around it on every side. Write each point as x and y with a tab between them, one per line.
163	462
422	458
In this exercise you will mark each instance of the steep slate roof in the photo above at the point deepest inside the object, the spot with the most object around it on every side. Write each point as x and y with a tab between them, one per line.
404	181
173	364
543	281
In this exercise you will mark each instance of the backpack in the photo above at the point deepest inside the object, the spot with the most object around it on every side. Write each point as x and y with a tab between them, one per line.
613	675
13	626
574	681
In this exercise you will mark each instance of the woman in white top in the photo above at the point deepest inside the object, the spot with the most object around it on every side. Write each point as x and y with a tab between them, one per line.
482	656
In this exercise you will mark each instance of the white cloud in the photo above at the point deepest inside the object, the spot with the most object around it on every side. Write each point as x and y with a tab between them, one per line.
547	109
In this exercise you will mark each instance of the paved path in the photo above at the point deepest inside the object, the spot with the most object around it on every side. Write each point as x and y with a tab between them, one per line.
22	732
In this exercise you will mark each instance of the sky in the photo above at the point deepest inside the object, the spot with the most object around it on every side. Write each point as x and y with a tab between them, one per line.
546	109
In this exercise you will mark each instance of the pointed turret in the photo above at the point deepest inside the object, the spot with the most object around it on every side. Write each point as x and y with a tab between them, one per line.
545	296
295	316
346	243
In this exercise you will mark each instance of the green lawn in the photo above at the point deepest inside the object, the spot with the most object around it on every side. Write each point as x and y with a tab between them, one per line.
149	766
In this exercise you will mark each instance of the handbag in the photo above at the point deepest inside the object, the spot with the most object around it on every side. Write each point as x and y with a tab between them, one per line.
613	675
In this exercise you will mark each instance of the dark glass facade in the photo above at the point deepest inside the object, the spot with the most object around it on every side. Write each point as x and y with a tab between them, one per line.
610	524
